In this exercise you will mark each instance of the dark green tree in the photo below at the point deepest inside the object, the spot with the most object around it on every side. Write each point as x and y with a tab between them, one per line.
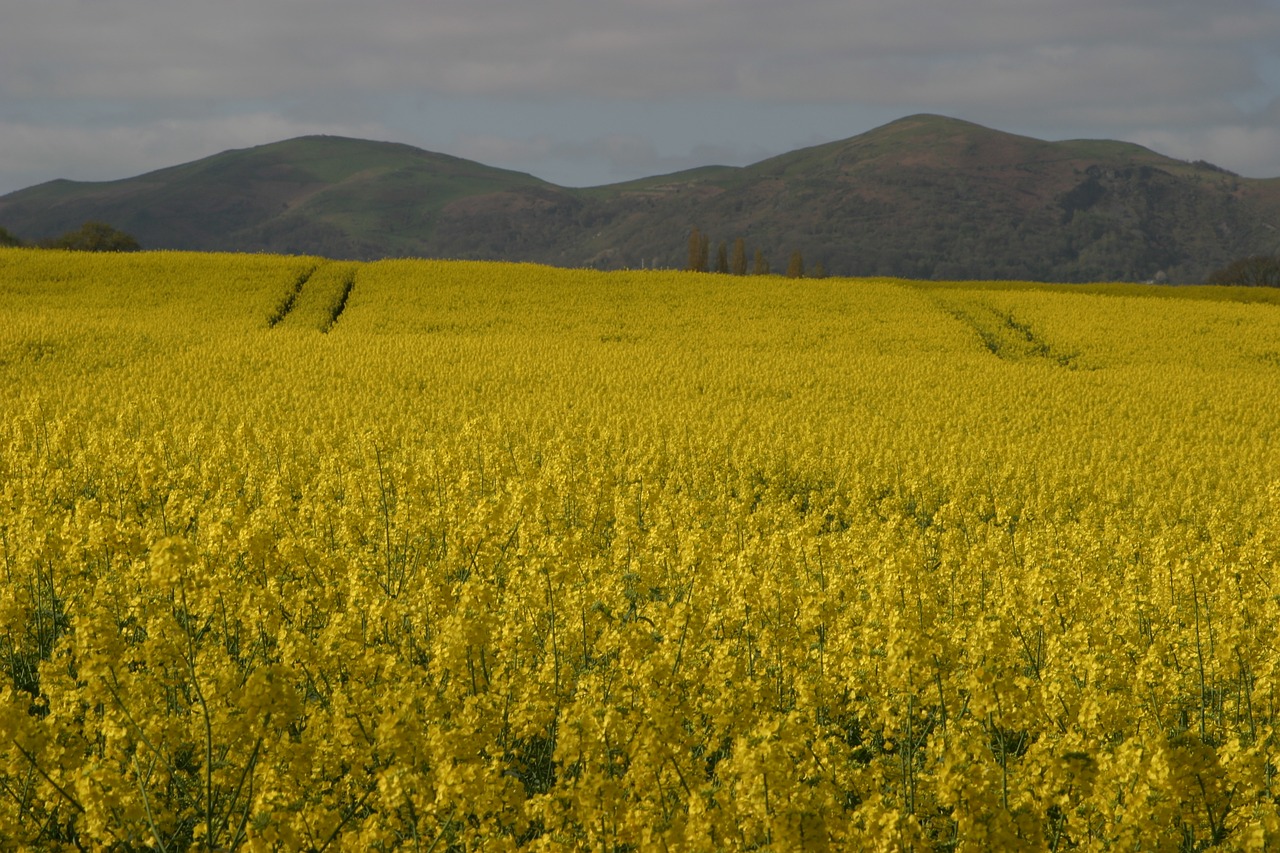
819	271
95	236
760	266
1255	271
738	263
795	267
7	239
722	258
699	251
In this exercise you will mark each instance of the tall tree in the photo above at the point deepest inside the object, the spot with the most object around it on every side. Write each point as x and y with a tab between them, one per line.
760	266
738	264
722	258
795	267
697	261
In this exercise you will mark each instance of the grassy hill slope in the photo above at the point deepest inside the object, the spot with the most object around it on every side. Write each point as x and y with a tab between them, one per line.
346	197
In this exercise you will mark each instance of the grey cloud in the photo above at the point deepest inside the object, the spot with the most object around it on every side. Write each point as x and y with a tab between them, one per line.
1068	76
1247	149
602	159
1174	70
40	152
1248	145
622	49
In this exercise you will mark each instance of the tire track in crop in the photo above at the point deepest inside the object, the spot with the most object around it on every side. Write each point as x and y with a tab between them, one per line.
291	298
340	305
1005	336
323	299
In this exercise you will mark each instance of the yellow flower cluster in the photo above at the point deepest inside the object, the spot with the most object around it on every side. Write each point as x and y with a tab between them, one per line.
300	554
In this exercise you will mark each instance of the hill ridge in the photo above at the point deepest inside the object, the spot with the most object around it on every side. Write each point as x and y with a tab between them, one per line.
924	196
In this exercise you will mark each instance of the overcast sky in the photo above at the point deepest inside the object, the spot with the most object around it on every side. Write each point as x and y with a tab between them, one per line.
585	92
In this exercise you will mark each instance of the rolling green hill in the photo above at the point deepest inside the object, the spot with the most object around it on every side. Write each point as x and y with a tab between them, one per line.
924	197
333	196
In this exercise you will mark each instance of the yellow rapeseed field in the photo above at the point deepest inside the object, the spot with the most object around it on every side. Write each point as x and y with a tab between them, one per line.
431	555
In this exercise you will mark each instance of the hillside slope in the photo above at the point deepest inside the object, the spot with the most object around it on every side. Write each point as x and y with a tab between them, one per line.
924	196
316	194
930	197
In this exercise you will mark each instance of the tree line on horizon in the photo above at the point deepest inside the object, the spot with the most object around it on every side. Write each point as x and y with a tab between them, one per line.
732	260
92	236
1253	271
